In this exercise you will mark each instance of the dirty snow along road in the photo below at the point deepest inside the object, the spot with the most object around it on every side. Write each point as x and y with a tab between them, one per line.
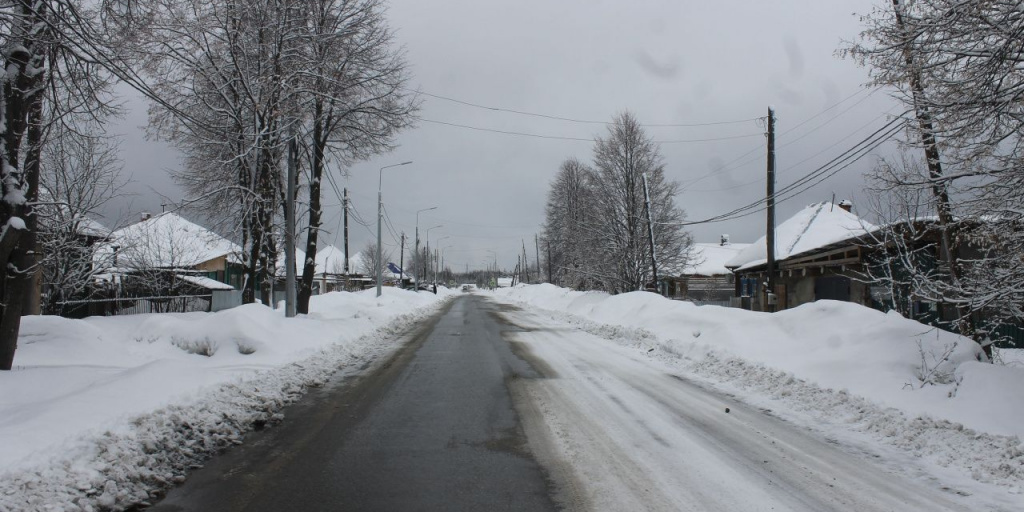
618	431
495	407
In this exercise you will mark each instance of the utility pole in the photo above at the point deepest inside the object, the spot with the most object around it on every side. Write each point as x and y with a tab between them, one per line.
401	261
551	278
770	235
526	266
536	246
289	236
345	202
650	234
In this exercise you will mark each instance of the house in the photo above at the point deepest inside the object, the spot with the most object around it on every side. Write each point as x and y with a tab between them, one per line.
819	254
706	280
163	249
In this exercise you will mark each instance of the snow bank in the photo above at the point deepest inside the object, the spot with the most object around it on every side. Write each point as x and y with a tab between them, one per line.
103	412
919	387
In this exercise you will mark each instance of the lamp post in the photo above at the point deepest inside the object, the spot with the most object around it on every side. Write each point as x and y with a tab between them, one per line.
380	216
437	260
442	261
426	239
418	278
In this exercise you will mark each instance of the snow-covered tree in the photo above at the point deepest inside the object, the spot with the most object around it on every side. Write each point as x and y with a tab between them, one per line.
618	228
565	225
957	66
354	98
80	174
596	222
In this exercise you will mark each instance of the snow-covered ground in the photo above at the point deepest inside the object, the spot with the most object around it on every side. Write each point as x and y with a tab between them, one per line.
910	394
101	412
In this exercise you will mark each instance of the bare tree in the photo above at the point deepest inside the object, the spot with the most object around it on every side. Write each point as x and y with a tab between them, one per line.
618	228
957	65
596	227
80	174
569	208
368	262
356	100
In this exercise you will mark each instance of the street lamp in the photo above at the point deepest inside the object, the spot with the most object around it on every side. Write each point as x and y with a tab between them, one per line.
418	279
436	259
442	260
380	216
426	239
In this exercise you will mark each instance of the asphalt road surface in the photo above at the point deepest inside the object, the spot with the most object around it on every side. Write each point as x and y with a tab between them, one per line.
495	408
433	429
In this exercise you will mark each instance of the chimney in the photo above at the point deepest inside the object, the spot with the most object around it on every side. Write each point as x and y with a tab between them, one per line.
847	205
146	216
725	240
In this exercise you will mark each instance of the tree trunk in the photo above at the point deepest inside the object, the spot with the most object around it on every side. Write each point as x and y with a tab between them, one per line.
315	211
22	107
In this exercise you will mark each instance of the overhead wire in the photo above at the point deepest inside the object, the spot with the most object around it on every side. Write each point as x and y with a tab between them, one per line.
582	139
572	120
816	176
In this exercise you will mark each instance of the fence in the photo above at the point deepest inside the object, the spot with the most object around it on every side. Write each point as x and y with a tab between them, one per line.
134	305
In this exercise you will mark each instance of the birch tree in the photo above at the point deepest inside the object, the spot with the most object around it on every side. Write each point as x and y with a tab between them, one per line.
567	212
619	226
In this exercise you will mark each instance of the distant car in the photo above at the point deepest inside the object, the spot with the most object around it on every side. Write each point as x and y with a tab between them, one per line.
466	288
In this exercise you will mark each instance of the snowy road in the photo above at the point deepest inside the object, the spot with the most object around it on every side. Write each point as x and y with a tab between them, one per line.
619	432
497	408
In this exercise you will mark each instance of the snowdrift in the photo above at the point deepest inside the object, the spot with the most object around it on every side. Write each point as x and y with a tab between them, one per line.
883	357
103	412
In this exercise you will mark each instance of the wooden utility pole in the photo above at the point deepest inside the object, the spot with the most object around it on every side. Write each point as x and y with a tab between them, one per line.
345	201
551	279
401	261
650	233
770	235
526	265
536	246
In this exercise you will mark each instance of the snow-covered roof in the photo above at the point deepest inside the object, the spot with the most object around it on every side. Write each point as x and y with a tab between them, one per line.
331	260
205	282
90	227
816	226
709	259
166	240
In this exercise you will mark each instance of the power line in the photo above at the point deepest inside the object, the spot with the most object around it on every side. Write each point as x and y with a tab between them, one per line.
580	139
791	167
813	178
728	166
571	120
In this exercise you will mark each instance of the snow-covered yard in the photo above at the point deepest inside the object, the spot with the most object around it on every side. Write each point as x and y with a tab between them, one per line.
101	412
849	372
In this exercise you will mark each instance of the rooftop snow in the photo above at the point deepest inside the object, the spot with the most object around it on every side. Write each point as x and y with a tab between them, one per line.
205	282
709	259
813	227
167	240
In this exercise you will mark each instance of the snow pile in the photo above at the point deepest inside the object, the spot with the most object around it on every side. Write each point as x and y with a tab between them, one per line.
918	388
108	412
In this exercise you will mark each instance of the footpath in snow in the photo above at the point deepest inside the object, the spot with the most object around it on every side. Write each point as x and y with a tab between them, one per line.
849	372
107	412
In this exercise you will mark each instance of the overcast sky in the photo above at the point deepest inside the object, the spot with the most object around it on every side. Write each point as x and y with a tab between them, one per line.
667	61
